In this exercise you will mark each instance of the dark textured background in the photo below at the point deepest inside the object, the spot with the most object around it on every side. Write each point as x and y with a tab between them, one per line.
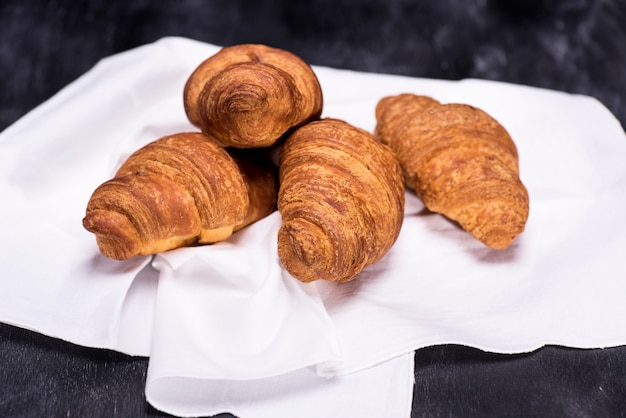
577	46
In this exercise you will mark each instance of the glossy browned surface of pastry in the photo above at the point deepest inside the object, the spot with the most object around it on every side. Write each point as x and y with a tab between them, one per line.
393	111
341	199
249	95
460	161
178	190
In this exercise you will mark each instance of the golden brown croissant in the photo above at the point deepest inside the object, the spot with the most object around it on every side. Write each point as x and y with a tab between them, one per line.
461	162
249	95
341	199
178	190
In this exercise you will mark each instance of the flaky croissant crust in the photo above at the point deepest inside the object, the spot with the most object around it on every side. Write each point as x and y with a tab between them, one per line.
460	161
175	191
341	199
249	95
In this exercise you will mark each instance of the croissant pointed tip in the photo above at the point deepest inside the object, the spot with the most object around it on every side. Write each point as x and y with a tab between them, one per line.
303	239
116	237
300	243
502	237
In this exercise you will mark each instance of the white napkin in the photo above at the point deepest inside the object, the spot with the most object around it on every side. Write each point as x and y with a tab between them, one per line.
222	323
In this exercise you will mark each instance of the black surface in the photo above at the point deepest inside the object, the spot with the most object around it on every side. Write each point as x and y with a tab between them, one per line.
576	46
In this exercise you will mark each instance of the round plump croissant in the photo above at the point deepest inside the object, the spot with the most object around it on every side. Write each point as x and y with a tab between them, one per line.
461	162
341	199
249	95
178	190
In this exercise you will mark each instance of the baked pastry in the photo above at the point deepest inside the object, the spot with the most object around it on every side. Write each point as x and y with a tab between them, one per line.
179	190
249	95
394	111
341	199
460	161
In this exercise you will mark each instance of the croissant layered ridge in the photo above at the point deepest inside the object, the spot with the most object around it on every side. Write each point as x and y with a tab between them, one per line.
176	191
460	161
250	95
341	199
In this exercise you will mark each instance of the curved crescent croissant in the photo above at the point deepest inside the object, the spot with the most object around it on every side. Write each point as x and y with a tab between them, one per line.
341	199
250	95
176	191
461	162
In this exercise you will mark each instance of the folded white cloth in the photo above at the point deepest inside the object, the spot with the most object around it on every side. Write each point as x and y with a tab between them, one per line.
385	390
227	329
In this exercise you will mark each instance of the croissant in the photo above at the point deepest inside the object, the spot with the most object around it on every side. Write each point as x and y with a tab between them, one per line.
341	199
176	191
460	161
249	95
